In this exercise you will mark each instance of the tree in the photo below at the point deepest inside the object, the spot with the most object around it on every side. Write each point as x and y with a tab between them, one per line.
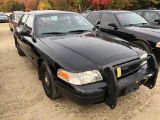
144	4
11	5
44	5
1	2
30	5
120	4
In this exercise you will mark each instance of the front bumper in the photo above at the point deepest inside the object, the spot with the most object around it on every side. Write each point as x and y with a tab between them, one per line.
109	89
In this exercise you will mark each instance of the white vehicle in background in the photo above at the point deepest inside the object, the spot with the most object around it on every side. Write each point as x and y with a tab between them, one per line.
8	14
3	17
14	18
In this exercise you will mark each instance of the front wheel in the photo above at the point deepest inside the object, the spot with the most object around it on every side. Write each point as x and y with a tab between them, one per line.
48	81
10	28
144	46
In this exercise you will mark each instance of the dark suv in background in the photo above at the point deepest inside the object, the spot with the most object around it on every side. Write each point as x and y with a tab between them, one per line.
129	26
14	18
152	16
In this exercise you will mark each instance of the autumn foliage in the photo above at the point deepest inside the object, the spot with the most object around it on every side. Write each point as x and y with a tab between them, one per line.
75	5
1	1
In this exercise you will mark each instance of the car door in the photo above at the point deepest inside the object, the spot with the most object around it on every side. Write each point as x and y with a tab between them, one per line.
19	27
151	17
106	19
28	41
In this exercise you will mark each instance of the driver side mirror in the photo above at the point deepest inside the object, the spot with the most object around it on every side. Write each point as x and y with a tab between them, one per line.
23	32
114	25
97	24
157	20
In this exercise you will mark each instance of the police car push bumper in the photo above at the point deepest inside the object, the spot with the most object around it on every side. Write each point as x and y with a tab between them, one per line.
123	86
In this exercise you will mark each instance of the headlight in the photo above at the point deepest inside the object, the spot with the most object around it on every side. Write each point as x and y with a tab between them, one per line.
144	56
158	45
79	78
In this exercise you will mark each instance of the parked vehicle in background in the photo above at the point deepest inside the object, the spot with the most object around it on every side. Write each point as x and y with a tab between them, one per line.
85	13
8	13
129	26
152	16
3	17
14	18
73	61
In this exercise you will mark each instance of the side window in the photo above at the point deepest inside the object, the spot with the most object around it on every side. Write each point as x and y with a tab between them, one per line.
22	21
139	13
94	18
29	24
89	17
107	18
151	16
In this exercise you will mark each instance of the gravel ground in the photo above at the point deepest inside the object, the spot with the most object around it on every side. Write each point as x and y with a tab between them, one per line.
22	96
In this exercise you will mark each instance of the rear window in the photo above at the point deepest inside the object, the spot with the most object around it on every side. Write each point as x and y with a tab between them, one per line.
2	14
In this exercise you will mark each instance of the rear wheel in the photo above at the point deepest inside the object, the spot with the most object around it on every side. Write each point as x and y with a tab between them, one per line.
11	29
48	81
144	46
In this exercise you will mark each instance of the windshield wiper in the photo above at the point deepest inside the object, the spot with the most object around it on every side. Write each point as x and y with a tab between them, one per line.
74	31
54	33
142	23
129	25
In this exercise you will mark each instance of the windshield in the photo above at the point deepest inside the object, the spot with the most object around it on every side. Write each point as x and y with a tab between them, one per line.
1	14
62	23
130	18
18	16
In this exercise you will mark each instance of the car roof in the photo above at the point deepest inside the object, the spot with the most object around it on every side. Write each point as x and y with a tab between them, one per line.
113	11
17	11
48	12
149	10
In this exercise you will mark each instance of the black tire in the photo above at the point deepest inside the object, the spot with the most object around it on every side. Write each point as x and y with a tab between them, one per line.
20	52
48	81
144	46
11	29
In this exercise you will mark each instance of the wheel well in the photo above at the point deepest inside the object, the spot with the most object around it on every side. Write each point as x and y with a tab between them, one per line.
144	41
53	68
39	71
145	44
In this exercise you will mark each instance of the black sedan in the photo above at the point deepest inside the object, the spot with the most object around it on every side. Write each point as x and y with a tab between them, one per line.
129	26
73	61
152	16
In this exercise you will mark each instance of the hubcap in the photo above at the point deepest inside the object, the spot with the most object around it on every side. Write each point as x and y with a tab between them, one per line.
46	83
46	80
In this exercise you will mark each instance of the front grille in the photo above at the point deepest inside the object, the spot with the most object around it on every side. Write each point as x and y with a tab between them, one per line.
128	70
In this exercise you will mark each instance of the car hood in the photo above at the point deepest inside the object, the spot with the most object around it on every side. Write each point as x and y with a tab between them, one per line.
145	29
86	51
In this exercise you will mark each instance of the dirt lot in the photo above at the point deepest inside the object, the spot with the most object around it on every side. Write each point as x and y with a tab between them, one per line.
22	96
